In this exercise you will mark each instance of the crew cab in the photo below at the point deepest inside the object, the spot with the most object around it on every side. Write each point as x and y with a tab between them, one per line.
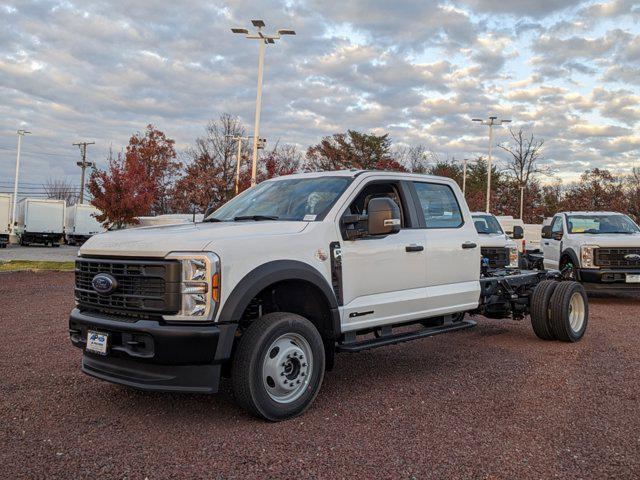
270	286
599	249
497	249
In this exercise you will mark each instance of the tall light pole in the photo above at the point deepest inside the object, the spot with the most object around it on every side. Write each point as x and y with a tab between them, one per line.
263	40
21	133
239	139
521	200
83	164
464	177
490	122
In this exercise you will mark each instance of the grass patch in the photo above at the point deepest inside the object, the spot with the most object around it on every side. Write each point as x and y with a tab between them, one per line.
36	266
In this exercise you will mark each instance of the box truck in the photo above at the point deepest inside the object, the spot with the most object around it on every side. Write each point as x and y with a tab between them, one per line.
6	202
81	223
40	221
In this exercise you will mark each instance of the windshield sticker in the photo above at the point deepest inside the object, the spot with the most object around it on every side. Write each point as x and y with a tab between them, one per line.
309	218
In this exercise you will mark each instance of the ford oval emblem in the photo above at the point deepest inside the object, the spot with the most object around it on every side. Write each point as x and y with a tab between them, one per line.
632	256
104	284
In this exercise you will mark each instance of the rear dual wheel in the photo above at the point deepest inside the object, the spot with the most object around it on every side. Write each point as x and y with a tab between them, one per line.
559	310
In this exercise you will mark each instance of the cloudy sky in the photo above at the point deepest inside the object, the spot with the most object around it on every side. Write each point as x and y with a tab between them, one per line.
418	69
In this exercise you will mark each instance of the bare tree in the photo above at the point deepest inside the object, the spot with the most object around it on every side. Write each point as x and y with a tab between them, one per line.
61	190
525	151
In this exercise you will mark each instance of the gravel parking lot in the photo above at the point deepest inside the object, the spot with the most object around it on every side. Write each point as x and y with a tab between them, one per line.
489	402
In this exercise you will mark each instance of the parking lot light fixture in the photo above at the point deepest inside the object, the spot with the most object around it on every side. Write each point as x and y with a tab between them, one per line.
263	39
21	133
493	120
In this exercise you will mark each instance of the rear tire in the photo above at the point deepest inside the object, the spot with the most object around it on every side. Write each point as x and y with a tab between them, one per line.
569	312
540	309
278	367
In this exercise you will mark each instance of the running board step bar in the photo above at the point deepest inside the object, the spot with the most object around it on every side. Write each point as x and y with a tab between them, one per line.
403	337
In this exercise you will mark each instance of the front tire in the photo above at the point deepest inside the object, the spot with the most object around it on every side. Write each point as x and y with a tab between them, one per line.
569	311
279	366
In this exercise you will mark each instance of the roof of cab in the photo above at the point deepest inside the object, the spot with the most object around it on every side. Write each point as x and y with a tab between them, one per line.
357	173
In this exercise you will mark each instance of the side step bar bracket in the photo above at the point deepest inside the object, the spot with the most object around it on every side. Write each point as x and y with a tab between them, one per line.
403	337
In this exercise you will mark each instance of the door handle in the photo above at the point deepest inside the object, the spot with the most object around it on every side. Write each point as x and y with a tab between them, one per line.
469	245
546	243
414	248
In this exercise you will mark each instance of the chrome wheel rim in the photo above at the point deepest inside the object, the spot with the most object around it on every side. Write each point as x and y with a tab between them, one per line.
576	312
287	368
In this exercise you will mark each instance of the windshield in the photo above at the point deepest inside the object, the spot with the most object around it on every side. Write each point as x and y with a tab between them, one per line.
486	224
294	199
597	224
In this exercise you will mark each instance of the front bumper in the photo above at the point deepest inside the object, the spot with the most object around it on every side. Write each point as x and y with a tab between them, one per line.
150	355
608	279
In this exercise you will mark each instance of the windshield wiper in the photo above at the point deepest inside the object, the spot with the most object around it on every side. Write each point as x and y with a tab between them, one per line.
255	217
212	219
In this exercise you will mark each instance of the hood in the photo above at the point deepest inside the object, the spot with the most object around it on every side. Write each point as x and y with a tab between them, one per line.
193	237
608	240
495	240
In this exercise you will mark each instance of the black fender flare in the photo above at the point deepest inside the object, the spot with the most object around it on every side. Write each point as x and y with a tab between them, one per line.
574	259
272	272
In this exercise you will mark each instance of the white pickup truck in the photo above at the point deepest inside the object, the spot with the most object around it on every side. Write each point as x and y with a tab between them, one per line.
497	249
282	277
599	249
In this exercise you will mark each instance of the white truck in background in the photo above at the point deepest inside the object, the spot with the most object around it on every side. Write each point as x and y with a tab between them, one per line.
599	249
497	249
6	203
81	223
40	221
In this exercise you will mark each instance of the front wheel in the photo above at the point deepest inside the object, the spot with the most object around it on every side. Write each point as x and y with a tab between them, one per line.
279	366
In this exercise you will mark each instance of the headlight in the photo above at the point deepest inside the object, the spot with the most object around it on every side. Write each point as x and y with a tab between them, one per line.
513	257
199	286
587	256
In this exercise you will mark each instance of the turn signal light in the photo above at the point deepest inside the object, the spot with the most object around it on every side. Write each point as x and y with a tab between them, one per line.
215	287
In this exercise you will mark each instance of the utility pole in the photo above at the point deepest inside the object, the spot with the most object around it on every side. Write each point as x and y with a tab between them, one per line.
464	177
239	139
521	201
83	164
491	122
262	40
21	133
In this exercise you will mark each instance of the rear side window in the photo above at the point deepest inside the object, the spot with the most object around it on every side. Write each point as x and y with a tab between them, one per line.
439	205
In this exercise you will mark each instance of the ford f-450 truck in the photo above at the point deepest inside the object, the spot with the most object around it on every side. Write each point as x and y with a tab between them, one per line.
269	287
599	249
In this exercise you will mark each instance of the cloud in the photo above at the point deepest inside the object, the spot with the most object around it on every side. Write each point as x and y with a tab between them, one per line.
97	70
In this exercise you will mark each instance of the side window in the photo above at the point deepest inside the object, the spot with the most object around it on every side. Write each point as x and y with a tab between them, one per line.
439	205
376	190
556	226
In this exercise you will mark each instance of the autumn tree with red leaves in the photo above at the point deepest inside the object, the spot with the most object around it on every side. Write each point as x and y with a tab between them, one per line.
122	192
344	151
155	155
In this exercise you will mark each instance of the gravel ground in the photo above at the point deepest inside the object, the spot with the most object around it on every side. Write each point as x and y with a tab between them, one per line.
489	402
63	253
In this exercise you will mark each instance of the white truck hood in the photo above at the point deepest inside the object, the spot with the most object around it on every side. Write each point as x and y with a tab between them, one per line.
609	240
495	240
193	237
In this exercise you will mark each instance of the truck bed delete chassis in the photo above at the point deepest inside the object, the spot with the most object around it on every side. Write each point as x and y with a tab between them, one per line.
507	292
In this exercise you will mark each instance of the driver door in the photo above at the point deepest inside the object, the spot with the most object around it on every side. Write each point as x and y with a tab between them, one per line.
552	247
383	277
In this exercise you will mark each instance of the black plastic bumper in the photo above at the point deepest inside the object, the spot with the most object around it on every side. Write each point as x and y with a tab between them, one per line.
608	279
149	355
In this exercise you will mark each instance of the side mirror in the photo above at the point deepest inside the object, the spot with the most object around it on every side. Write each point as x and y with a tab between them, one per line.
546	231
518	232
383	217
